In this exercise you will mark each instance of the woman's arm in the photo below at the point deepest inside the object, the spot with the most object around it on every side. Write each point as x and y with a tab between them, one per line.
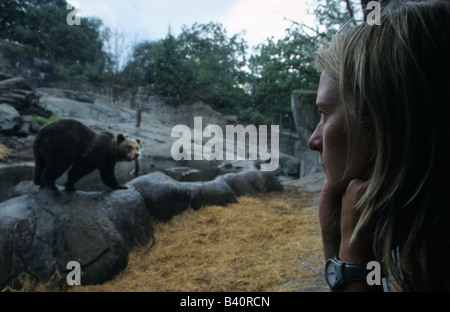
338	219
329	219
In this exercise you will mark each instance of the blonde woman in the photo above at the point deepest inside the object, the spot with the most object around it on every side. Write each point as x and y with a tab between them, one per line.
384	144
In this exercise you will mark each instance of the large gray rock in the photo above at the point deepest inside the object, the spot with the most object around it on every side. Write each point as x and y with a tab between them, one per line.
10	120
166	197
88	97
163	196
289	166
44	230
215	192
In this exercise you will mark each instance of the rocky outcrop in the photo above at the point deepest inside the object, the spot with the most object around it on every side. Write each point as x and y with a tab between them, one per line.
44	230
81	96
183	113
17	60
306	119
9	119
17	93
17	102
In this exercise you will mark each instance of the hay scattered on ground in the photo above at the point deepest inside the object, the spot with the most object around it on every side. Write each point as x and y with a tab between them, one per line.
265	243
4	151
257	244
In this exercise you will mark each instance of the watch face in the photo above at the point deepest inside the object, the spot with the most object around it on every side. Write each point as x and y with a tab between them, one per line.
330	273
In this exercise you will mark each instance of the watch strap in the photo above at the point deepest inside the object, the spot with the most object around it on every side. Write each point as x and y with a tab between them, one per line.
346	273
354	272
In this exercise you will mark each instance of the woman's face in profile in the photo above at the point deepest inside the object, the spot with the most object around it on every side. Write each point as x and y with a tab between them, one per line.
329	137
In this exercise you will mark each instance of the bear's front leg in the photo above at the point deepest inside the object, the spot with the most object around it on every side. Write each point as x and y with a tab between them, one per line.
75	173
109	178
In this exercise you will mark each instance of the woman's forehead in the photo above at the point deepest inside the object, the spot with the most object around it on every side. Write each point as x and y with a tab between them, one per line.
328	91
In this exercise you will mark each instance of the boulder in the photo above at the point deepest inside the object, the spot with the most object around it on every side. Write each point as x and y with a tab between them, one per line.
166	197
88	97
163	196
215	192
28	126
10	120
239	184
17	93
126	211
261	181
289	166
44	230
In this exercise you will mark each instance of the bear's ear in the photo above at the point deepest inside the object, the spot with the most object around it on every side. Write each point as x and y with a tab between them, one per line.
120	138
138	141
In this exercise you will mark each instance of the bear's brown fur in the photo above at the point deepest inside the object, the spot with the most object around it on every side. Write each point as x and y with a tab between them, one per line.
67	142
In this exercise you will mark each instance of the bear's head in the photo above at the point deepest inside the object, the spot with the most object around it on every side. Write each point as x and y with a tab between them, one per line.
128	148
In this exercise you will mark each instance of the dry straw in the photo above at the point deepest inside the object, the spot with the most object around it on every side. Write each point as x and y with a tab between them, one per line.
4	151
265	243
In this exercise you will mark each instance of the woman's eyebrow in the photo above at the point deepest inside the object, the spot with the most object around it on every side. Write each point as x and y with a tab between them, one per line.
322	104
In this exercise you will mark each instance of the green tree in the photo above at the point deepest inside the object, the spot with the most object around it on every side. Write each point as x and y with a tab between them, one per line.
213	65
202	63
42	25
333	14
167	73
139	71
157	65
12	14
280	67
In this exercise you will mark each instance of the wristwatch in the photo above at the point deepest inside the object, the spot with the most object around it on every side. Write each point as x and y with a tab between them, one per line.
339	274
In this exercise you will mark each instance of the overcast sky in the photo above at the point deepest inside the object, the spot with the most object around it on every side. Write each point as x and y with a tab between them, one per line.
150	19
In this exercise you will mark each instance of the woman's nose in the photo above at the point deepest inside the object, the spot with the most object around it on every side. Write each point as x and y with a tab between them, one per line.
315	141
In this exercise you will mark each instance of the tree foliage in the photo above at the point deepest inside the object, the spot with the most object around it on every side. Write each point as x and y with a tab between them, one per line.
280	67
203	62
42	25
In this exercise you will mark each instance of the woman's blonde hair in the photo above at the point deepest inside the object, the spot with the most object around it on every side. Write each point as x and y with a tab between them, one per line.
394	81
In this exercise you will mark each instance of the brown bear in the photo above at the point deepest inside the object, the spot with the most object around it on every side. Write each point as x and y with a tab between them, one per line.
66	142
